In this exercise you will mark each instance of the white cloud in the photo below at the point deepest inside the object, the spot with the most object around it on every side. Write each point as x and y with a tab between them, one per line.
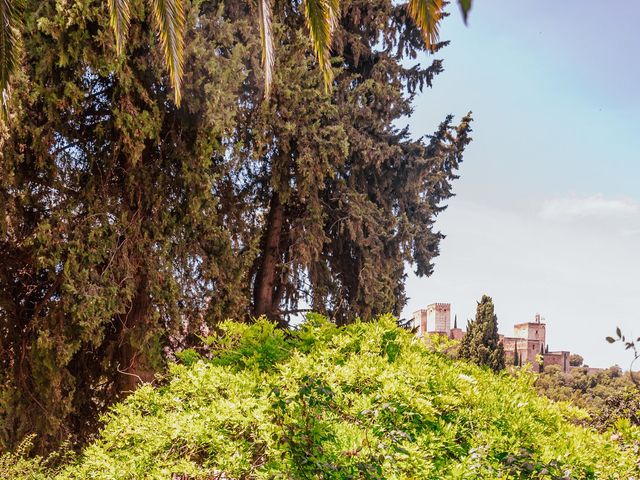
576	207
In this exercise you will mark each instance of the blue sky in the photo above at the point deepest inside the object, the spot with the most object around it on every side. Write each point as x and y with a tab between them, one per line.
546	216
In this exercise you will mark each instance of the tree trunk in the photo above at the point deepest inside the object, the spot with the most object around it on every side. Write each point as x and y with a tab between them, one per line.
264	285
134	368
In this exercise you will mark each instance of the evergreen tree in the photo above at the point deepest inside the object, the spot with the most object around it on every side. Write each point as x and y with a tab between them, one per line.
347	198
516	357
481	344
111	242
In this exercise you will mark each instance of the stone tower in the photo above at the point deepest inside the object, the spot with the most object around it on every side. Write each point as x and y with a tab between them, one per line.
534	331
436	318
530	338
439	318
419	322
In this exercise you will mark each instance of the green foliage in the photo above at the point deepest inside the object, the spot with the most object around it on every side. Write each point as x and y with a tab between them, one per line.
575	360
634	347
362	401
129	227
608	395
110	238
21	464
481	344
243	346
347	207
169	17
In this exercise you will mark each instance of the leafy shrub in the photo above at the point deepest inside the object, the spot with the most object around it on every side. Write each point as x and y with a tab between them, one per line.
364	401
17	464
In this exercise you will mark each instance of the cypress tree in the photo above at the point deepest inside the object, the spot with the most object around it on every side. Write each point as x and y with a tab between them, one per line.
346	197
516	359
112	245
481	344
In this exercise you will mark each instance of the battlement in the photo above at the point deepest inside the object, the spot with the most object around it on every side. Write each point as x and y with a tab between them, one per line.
530	331
436	318
440	306
528	324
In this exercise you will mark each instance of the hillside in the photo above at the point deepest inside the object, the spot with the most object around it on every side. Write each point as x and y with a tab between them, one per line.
362	401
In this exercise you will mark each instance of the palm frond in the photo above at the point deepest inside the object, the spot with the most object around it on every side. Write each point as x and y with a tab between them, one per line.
119	18
170	21
321	17
427	15
465	6
266	38
9	45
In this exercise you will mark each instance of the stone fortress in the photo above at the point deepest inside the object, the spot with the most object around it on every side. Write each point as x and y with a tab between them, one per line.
528	340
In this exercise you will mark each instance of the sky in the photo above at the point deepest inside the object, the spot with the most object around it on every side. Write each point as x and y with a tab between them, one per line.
546	217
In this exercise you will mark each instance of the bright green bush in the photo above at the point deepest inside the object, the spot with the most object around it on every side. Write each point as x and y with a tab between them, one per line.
364	401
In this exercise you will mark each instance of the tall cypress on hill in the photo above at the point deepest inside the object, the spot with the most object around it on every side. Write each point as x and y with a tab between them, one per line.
481	344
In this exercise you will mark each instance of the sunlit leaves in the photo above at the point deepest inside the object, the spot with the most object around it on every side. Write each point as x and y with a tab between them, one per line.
266	40
169	19
9	44
325	400
170	22
321	17
427	15
119	18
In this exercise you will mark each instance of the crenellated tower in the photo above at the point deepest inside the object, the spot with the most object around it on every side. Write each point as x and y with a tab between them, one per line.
436	318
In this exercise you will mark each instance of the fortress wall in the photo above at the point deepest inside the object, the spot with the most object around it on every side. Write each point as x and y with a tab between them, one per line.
560	359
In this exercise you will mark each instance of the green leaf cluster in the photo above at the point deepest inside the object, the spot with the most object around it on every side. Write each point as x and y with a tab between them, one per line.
360	401
608	395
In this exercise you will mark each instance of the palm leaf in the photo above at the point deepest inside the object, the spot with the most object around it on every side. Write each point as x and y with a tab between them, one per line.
119	17
170	21
266	38
9	45
465	6
427	15
321	17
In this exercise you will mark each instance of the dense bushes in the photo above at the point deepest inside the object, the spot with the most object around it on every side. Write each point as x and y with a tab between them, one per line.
361	401
608	395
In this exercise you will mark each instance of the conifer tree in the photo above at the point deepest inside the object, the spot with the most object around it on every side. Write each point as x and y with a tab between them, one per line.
115	208
516	359
481	344
348	198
